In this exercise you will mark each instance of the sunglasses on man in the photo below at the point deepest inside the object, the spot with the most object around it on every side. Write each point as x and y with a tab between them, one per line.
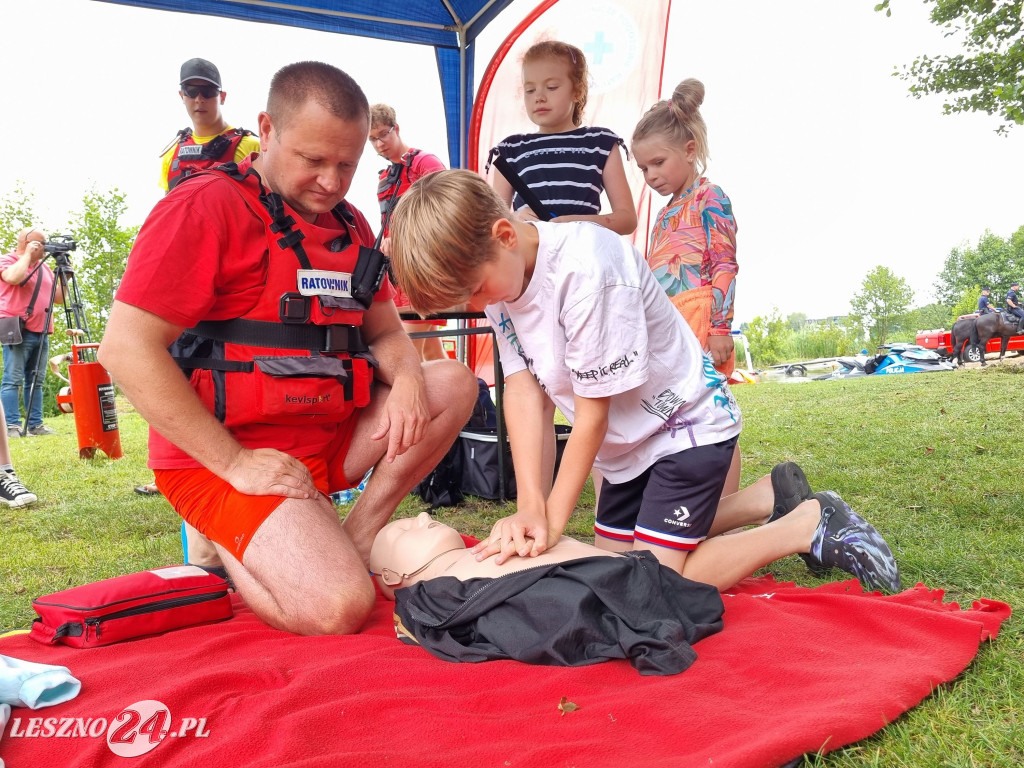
195	91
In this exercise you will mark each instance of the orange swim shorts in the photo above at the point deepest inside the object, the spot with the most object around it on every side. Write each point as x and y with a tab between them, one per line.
229	517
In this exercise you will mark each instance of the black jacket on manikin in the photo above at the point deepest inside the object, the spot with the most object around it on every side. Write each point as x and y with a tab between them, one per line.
574	613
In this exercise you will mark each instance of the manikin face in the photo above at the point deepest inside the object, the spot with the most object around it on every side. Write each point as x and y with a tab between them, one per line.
311	162
548	94
668	170
406	545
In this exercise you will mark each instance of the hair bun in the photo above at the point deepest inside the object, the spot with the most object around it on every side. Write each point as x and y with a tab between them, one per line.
688	96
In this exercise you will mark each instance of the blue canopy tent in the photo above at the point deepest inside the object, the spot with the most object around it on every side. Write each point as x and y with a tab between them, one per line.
451	26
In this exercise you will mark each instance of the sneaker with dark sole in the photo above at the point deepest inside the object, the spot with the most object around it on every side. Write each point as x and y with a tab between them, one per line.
13	493
41	430
847	541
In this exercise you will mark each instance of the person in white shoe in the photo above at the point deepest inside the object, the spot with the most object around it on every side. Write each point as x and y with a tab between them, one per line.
13	492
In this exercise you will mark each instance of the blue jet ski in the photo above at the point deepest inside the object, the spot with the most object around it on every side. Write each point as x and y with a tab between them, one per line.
892	358
906	358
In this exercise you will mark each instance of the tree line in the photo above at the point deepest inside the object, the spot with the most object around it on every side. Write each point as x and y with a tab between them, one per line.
883	311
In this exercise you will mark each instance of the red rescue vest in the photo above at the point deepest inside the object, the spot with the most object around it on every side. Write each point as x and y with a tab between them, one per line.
297	355
190	157
392	183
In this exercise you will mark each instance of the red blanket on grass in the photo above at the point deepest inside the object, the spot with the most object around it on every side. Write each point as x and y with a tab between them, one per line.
794	670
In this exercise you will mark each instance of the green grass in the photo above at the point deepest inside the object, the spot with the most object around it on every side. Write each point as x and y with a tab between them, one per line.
932	460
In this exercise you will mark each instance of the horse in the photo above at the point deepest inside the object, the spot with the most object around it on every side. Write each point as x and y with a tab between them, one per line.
978	330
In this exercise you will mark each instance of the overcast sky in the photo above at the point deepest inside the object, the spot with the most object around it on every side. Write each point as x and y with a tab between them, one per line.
832	168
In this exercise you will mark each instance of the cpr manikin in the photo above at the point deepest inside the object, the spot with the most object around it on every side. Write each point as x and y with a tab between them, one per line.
414	549
571	605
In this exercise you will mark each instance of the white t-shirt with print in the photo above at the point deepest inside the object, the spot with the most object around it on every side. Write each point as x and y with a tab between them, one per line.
594	322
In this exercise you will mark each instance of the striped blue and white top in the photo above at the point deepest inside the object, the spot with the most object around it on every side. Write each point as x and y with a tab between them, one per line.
565	170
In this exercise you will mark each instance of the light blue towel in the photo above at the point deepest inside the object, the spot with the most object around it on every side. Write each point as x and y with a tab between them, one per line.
5	715
32	685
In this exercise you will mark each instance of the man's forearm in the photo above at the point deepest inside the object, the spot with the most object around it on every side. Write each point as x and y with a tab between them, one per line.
164	398
16	273
137	358
396	356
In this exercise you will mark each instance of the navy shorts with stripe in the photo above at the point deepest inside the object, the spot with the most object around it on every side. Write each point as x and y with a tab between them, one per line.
672	503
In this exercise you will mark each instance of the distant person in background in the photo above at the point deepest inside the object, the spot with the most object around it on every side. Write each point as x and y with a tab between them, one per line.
1013	305
984	308
26	283
693	242
211	140
566	164
407	165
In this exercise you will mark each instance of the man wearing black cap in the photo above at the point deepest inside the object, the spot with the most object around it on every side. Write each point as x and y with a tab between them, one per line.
984	308
210	141
1013	305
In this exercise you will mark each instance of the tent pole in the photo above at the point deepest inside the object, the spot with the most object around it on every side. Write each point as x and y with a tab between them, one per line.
462	99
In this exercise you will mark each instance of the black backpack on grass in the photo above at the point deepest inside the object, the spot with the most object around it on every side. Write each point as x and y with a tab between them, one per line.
443	486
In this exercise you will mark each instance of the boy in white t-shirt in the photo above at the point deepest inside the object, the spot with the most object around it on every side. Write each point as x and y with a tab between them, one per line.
583	325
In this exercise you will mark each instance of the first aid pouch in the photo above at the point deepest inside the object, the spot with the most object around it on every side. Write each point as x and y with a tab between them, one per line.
126	607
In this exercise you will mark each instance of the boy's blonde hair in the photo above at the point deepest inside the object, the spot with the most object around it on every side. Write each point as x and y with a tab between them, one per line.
441	235
573	56
678	120
382	114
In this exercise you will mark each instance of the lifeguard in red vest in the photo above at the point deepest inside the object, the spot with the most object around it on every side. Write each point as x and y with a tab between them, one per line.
406	166
210	141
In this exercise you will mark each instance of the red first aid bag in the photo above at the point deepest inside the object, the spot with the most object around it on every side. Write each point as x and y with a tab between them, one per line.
131	606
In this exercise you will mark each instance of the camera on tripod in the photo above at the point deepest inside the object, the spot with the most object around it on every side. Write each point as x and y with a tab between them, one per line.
60	244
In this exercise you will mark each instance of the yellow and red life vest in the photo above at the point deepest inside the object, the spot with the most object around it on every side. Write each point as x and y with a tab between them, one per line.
190	157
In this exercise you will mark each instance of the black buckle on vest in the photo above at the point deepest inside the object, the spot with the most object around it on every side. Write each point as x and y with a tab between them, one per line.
294	308
291	239
336	338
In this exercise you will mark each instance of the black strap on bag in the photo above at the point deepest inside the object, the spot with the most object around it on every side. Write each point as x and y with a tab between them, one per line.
519	185
35	294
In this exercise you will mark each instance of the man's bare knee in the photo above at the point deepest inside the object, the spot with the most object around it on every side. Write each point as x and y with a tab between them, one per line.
459	385
341	613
